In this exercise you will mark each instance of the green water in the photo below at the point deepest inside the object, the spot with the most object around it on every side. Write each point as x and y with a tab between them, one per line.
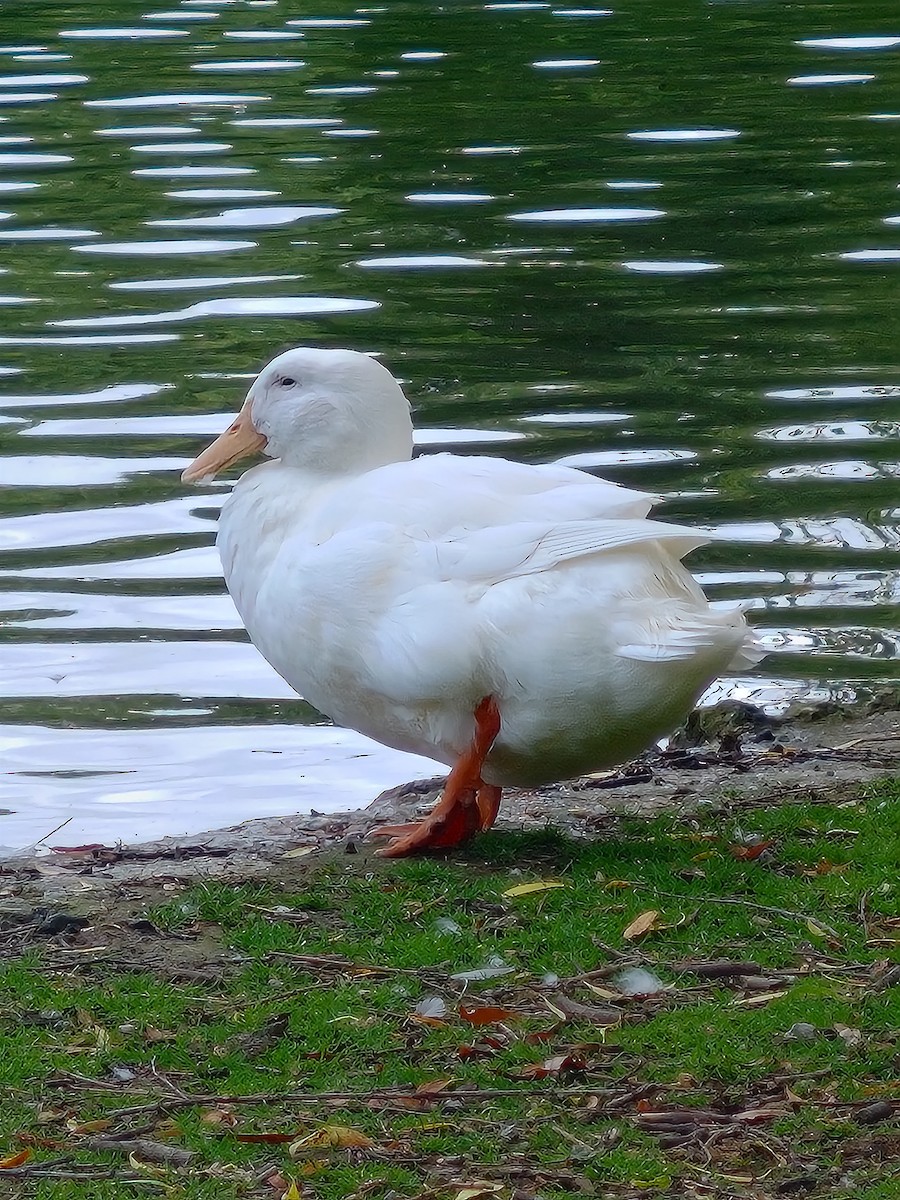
661	243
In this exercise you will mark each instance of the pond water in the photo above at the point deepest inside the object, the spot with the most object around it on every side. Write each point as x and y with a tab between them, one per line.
660	242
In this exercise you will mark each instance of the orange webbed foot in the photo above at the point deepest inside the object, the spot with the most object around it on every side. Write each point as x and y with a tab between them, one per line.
467	804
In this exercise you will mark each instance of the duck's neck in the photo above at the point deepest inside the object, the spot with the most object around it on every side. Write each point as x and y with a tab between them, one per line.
264	506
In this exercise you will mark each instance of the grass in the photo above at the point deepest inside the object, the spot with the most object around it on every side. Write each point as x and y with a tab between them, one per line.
310	986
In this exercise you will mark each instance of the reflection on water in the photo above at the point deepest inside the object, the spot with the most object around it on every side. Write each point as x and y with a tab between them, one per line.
654	244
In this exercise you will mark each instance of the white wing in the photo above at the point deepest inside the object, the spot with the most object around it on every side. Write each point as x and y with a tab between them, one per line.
439	495
527	548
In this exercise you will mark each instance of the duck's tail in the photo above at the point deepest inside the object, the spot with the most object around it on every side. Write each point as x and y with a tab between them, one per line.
751	649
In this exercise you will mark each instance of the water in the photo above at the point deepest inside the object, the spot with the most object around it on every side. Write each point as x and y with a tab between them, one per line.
661	243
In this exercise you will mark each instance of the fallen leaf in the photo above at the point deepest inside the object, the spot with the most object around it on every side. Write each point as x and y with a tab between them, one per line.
299	852
148	1168
219	1116
541	1035
292	1192
555	1009
560	1064
151	1034
815	928
487	1015
472	1191
15	1160
433	1087
759	999
331	1137
641	925
528	889
97	1126
749	853
825	867
602	992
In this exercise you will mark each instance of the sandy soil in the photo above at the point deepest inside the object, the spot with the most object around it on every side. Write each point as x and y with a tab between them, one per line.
731	758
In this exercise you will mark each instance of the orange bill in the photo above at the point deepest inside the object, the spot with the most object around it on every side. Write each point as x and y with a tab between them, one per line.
239	440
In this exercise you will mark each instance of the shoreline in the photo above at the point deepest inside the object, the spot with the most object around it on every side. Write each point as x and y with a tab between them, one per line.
731	757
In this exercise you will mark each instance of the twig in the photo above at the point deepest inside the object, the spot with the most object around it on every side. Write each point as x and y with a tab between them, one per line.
381	1096
767	908
717	968
60	826
153	1152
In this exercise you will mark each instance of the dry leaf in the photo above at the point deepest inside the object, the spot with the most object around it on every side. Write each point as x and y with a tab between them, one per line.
299	852
148	1168
541	1035
749	853
478	1188
97	1126
825	867
602	992
152	1034
528	889
488	1015
641	925
560	1064
433	1087
760	998
15	1160
331	1137
219	1116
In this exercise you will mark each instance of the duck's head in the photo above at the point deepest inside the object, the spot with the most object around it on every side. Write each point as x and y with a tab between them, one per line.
327	411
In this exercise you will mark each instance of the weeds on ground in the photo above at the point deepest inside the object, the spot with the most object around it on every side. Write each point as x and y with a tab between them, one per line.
695	1008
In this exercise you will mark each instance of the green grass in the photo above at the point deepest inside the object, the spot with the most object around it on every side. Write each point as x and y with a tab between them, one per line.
821	902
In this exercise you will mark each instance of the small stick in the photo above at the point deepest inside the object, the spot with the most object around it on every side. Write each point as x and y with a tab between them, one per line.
60	826
767	908
153	1152
165	1103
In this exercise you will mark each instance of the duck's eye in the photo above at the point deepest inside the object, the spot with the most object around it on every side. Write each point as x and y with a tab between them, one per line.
287	382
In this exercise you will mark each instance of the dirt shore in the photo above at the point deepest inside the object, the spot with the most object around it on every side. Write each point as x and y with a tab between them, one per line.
731	758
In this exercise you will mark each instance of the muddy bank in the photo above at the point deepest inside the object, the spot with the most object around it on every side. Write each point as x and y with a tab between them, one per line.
730	758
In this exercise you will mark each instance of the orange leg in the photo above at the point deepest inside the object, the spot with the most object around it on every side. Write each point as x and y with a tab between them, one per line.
467	803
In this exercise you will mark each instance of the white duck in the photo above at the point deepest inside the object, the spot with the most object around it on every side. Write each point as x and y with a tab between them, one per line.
522	624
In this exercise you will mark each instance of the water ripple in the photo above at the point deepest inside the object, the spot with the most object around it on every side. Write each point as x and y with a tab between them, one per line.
567	216
258	217
153	249
232	306
177	100
737	358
